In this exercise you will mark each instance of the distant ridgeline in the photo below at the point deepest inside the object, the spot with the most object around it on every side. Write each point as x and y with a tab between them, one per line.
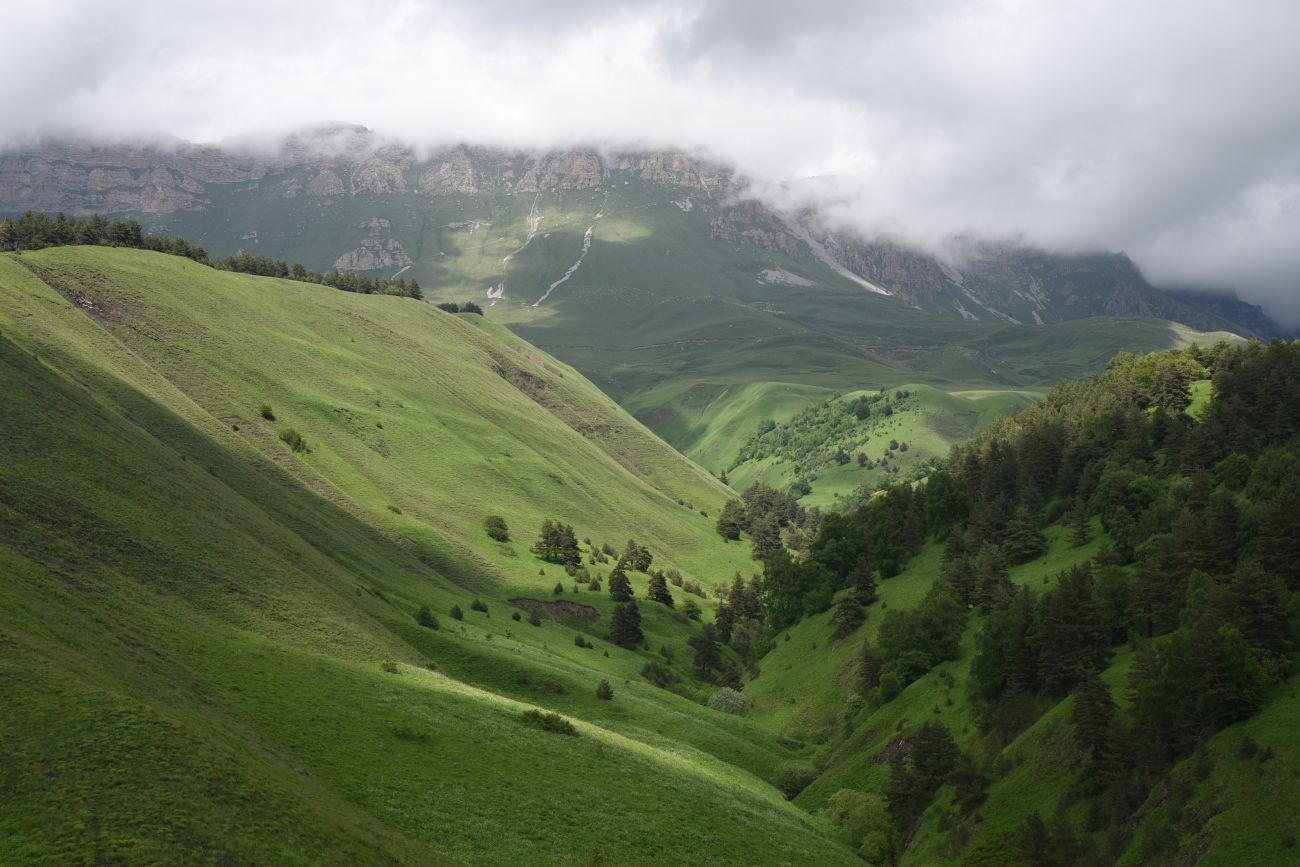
33	231
1198	568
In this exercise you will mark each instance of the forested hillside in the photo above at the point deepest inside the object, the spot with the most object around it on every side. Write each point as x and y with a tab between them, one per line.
1101	609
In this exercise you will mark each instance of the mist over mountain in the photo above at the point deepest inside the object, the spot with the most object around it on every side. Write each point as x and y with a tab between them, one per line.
1161	129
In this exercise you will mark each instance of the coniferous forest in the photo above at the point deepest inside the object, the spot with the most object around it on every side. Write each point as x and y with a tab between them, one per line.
1198	511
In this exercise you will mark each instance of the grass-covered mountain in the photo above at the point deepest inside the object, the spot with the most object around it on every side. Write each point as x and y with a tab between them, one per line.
225	499
650	272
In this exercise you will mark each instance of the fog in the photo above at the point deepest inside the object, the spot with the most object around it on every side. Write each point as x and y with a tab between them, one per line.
1168	130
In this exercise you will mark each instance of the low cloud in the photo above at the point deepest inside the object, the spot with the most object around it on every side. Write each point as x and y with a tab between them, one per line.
1164	129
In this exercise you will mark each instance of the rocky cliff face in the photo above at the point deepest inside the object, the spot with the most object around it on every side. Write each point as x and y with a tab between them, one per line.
327	163
1000	282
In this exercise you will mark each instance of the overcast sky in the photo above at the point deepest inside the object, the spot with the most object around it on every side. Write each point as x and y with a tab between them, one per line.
1167	129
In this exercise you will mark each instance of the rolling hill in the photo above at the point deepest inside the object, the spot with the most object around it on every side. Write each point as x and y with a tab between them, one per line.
211	645
250	610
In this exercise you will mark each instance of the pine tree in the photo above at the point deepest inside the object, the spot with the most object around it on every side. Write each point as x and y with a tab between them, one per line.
1092	720
658	590
848	615
625	627
868	668
1070	634
1260	606
637	557
708	658
1023	540
1080	524
765	536
992	583
731	520
620	588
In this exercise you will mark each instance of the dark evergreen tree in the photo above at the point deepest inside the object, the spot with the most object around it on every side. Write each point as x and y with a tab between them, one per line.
1080	524
848	616
731	521
658	590
1092	720
1023	541
708	656
1070	634
625	626
620	588
765	537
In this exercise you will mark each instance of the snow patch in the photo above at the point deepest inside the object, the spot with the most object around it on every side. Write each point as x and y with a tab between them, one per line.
780	276
586	246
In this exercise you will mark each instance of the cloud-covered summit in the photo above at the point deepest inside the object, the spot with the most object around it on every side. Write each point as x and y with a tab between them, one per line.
1165	129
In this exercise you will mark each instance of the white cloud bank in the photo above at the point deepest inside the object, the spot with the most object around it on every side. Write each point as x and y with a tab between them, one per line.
1168	129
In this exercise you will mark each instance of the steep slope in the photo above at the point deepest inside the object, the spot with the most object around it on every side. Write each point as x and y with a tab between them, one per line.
1091	651
210	642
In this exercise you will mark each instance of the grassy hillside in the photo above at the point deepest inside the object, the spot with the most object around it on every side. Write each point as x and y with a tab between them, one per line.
210	644
866	439
700	328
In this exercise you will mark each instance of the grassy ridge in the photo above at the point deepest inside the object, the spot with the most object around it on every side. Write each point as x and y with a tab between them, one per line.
198	615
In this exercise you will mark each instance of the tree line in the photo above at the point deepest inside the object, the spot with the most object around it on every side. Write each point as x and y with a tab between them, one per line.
36	231
1198	569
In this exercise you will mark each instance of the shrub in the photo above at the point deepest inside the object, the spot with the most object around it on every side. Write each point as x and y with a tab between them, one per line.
426	618
265	412
658	675
604	691
534	618
559	588
471	307
793	777
456	613
479	605
549	722
496	528
729	700
516	616
580	641
389	666
406	733
449	306
294	440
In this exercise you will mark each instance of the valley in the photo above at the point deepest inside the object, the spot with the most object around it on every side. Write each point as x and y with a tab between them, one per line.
275	593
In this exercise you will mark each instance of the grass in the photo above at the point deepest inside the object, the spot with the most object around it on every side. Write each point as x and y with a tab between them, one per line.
210	644
210	649
928	420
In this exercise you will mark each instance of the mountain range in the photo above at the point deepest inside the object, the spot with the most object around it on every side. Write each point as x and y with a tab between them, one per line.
659	274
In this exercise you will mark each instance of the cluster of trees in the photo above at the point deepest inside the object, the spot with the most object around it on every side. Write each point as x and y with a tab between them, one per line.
34	231
264	266
558	544
772	518
462	307
1200	570
832	432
